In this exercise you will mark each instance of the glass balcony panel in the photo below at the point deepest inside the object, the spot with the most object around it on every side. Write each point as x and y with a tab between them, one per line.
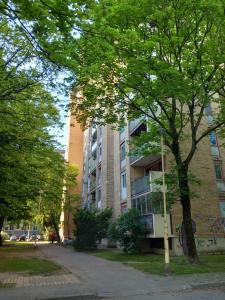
135	123
122	136
148	203
220	186
140	185
215	151
92	164
123	164
147	221
94	147
93	185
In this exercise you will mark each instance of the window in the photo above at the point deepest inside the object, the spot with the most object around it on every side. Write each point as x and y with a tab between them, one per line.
99	176
122	151
123	185
218	171
124	208
100	153
212	137
100	131
99	204
208	109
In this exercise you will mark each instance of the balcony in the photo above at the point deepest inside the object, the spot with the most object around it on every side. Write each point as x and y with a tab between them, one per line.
92	164
143	161
134	124
220	186
146	184
148	203
93	185
94	131
94	147
123	164
154	224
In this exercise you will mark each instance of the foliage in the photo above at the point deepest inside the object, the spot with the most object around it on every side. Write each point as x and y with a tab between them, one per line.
30	163
4	236
90	227
128	231
103	222
85	230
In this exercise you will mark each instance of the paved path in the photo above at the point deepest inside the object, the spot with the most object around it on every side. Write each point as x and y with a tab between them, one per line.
99	277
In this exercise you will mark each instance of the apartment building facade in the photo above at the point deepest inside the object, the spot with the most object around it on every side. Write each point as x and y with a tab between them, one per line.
98	179
74	156
112	178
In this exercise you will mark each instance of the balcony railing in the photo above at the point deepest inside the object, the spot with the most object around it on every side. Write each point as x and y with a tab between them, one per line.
146	184
135	123
94	147
140	185
220	186
93	185
93	164
148	202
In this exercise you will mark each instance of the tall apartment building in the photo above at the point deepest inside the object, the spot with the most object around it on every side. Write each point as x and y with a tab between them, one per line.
98	179
114	179
74	156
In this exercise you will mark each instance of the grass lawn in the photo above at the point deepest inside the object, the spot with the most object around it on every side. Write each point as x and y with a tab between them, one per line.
18	257
31	265
155	263
17	247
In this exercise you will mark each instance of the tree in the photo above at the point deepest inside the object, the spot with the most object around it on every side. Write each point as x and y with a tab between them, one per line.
26	147
160	59
90	227
128	231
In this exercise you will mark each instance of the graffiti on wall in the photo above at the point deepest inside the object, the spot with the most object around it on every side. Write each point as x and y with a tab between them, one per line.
213	224
206	243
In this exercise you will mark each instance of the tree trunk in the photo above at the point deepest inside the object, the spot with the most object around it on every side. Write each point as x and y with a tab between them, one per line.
188	229
1	225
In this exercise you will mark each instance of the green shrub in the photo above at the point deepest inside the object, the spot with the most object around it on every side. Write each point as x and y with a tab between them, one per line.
90	227
4	236
128	231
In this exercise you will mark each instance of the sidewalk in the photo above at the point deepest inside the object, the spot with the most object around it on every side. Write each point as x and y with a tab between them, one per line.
94	276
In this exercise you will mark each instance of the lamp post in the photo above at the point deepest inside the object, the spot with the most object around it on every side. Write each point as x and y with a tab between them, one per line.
166	239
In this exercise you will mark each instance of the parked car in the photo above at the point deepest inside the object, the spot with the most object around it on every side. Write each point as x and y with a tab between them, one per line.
13	238
22	238
33	237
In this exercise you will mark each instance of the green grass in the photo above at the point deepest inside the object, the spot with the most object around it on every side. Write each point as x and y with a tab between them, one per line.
17	247
31	265
154	264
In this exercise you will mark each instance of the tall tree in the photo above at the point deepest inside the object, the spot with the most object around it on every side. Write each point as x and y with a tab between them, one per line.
26	147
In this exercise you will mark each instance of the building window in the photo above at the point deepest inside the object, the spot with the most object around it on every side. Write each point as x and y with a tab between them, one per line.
123	185
122	151
213	139
99	176
218	171
100	153
99	204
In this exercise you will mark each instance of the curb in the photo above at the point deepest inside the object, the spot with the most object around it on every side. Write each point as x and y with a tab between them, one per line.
209	285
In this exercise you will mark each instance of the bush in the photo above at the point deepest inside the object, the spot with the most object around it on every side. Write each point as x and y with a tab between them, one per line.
90	227
4	236
128	231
